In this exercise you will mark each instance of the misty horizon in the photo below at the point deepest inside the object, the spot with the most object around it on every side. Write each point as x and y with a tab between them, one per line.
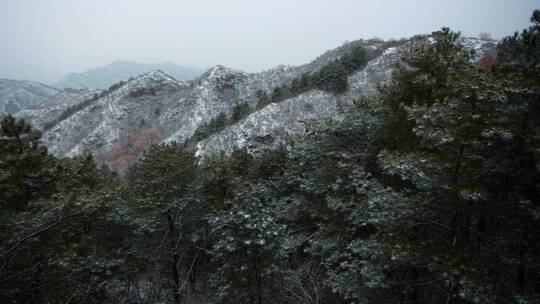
46	40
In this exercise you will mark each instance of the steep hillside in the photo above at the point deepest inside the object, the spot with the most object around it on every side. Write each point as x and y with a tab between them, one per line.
118	125
57	107
273	124
104	77
17	95
122	122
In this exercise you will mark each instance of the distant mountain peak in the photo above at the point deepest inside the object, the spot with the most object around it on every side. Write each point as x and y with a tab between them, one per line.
122	70
154	76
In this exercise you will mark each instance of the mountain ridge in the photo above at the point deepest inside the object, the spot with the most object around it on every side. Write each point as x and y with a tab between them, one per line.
121	70
123	121
17	95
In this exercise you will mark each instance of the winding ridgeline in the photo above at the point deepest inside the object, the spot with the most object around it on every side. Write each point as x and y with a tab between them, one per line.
223	109
381	172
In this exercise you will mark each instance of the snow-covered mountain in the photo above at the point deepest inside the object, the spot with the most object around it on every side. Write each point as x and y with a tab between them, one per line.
104	77
119	124
57	107
17	95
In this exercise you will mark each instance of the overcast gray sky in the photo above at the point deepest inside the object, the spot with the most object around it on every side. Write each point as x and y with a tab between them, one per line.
43	40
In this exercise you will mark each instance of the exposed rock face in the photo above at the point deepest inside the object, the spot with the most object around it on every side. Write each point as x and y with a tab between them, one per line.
124	121
272	125
104	77
17	95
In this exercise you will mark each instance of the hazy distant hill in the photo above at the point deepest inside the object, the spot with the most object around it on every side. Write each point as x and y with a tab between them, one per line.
17	95
104	77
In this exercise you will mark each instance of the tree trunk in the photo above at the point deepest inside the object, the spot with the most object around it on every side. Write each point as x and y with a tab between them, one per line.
521	274
193	279
481	232
453	229
457	170
413	295
174	259
466	230
259	278
455	178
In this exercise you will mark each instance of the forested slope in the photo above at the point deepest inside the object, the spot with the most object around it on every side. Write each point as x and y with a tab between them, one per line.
426	191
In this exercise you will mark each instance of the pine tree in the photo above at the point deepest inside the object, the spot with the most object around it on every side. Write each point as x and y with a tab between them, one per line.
239	111
447	111
25	165
164	210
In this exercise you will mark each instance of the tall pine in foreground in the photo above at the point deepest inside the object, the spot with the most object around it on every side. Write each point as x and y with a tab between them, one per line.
460	153
57	243
166	214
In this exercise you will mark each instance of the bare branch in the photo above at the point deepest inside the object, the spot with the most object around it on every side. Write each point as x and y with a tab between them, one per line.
42	229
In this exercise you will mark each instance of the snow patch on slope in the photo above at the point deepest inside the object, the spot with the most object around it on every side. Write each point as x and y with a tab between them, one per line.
271	125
